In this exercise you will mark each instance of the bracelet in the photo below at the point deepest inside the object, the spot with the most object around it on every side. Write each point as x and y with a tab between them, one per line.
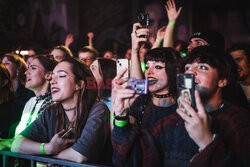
172	24
118	122
159	40
42	149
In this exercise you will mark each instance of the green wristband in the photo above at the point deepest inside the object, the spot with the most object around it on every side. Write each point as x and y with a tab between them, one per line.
172	24
119	123
42	149
158	40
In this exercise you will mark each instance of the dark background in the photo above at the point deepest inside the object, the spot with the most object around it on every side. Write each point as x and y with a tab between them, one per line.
47	22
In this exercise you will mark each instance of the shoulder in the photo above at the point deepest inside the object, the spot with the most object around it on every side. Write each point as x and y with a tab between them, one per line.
99	108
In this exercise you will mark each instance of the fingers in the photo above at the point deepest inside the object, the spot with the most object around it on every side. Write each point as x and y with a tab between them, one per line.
184	116
199	105
60	133
189	109
135	27
120	75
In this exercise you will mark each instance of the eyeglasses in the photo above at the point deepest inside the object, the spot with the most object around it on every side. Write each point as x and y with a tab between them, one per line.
86	58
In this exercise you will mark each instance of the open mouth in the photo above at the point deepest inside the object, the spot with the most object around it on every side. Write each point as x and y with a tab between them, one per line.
152	81
54	90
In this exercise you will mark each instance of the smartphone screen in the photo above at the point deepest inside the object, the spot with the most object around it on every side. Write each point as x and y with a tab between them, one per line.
122	64
185	89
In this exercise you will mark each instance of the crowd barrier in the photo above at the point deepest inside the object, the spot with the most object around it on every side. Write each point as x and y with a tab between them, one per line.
33	159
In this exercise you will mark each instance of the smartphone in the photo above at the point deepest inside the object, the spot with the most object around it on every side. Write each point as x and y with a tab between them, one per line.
139	85
122	64
143	19
67	132
185	90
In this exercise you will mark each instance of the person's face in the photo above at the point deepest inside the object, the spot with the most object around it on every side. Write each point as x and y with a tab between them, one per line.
206	79
186	96
128	54
95	68
194	42
108	55
240	58
12	68
63	85
58	54
35	75
157	76
86	57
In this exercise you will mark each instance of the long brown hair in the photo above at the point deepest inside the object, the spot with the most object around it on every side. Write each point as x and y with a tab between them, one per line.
86	98
21	66
6	91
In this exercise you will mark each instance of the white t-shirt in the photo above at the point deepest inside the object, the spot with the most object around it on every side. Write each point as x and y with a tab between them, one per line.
26	114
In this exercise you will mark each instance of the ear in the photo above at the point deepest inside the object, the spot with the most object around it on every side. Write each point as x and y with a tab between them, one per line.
80	85
222	83
48	75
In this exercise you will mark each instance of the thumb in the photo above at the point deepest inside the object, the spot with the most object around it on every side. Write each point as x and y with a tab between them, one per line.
60	133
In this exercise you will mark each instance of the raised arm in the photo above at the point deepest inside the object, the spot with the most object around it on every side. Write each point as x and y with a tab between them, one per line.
69	40
90	39
159	37
173	14
135	70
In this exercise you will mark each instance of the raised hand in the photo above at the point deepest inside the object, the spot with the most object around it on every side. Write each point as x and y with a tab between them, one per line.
135	36
69	39
173	14
120	94
198	124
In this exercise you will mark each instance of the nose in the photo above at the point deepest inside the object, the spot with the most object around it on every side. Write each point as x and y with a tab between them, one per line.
190	47
191	71
53	80
150	71
26	72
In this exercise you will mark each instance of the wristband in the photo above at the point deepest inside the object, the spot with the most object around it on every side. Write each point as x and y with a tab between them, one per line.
42	149
119	123
159	40
172	24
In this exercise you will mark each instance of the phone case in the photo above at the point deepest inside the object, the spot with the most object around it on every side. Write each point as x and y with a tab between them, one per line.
185	90
121	64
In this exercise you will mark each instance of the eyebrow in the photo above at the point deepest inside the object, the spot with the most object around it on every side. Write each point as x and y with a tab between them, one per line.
62	71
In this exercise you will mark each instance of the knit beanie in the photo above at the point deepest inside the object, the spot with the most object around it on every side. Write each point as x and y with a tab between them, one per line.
212	37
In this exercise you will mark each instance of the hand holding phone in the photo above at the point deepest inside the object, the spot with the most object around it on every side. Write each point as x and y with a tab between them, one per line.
67	132
121	64
185	90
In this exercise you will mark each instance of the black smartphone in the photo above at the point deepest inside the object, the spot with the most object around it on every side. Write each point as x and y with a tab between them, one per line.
143	19
185	90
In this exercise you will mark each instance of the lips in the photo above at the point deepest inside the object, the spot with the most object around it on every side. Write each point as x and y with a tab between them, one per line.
54	90
152	80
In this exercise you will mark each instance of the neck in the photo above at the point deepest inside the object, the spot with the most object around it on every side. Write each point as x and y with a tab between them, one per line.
163	102
214	103
15	84
42	89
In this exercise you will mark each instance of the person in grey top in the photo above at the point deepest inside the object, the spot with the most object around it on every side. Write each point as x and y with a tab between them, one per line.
76	128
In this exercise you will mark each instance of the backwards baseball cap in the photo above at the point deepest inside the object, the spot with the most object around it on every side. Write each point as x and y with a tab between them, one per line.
212	37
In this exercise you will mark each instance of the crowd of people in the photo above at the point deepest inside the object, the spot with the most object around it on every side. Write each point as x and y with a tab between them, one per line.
78	108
